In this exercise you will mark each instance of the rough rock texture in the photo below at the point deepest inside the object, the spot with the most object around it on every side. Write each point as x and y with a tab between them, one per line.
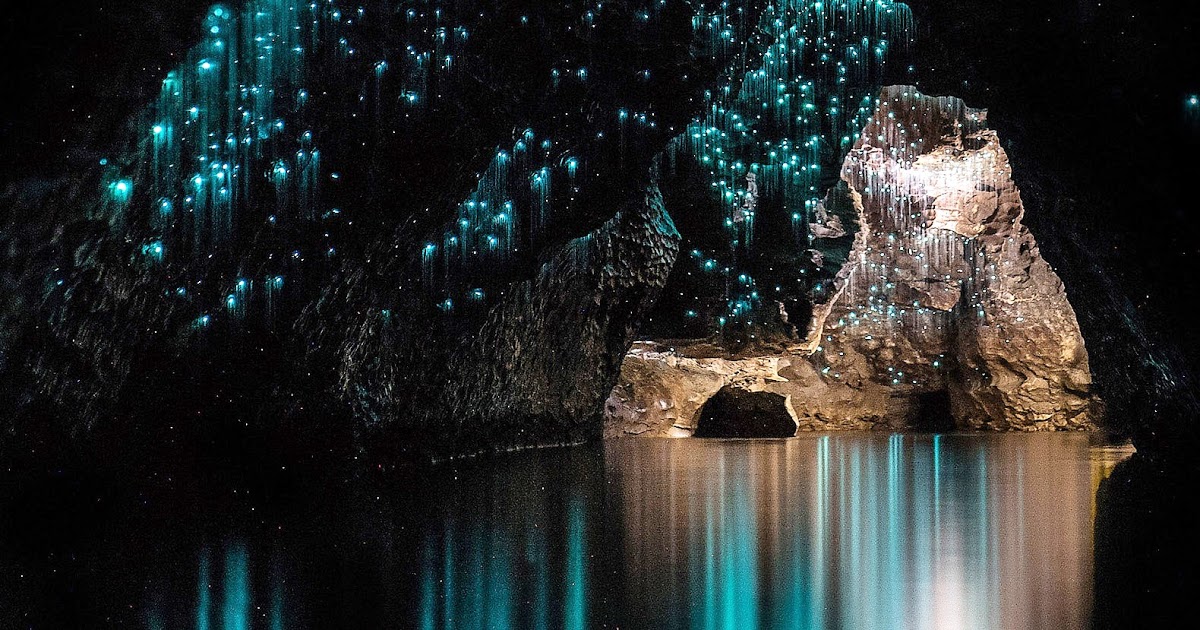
661	393
578	317
97	336
944	291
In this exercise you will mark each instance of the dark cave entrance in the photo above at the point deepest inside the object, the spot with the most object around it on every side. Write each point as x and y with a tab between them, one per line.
737	413
933	413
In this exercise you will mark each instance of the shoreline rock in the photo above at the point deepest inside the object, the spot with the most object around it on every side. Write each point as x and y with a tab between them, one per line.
944	292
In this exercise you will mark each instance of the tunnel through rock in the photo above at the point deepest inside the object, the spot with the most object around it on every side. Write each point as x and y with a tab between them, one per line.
933	412
737	413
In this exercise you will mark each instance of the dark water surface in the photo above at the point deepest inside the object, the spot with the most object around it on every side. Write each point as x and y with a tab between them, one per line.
827	531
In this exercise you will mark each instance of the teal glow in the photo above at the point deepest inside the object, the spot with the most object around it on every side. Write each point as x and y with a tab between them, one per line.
277	609
822	531
235	608
429	597
121	191
203	588
528	182
575	604
232	114
221	120
153	251
849	531
773	136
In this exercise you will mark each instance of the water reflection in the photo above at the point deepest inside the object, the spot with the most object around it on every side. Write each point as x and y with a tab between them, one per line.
858	532
829	531
513	551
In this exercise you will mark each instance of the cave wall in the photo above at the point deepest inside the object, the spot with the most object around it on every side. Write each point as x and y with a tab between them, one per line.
546	357
311	301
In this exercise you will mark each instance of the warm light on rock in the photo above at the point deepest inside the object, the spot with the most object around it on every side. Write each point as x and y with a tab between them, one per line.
944	291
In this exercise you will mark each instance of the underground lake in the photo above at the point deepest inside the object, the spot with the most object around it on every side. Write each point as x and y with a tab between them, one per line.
841	530
630	314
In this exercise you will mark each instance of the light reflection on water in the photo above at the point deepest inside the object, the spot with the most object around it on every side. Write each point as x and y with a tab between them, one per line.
854	531
828	531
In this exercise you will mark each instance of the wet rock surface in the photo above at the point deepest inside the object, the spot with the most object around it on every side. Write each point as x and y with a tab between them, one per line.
944	291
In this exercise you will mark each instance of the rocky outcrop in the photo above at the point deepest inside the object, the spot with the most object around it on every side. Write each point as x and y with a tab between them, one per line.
578	317
365	290
944	291
661	391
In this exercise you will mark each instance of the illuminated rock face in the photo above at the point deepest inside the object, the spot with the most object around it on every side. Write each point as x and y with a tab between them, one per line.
945	287
944	291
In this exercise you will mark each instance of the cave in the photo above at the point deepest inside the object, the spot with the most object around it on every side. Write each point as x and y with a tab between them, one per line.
933	412
737	413
402	313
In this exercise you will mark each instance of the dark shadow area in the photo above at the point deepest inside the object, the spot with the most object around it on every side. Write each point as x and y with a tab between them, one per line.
1147	562
241	535
736	413
933	413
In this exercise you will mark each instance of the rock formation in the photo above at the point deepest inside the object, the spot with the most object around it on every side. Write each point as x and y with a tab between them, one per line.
576	318
434	228
944	291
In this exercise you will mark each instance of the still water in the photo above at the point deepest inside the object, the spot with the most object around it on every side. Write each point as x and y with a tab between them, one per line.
827	531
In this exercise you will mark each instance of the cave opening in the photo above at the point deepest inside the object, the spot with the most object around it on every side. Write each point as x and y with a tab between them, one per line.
933	412
737	413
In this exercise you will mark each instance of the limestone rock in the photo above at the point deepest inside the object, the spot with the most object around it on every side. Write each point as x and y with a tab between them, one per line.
944	291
